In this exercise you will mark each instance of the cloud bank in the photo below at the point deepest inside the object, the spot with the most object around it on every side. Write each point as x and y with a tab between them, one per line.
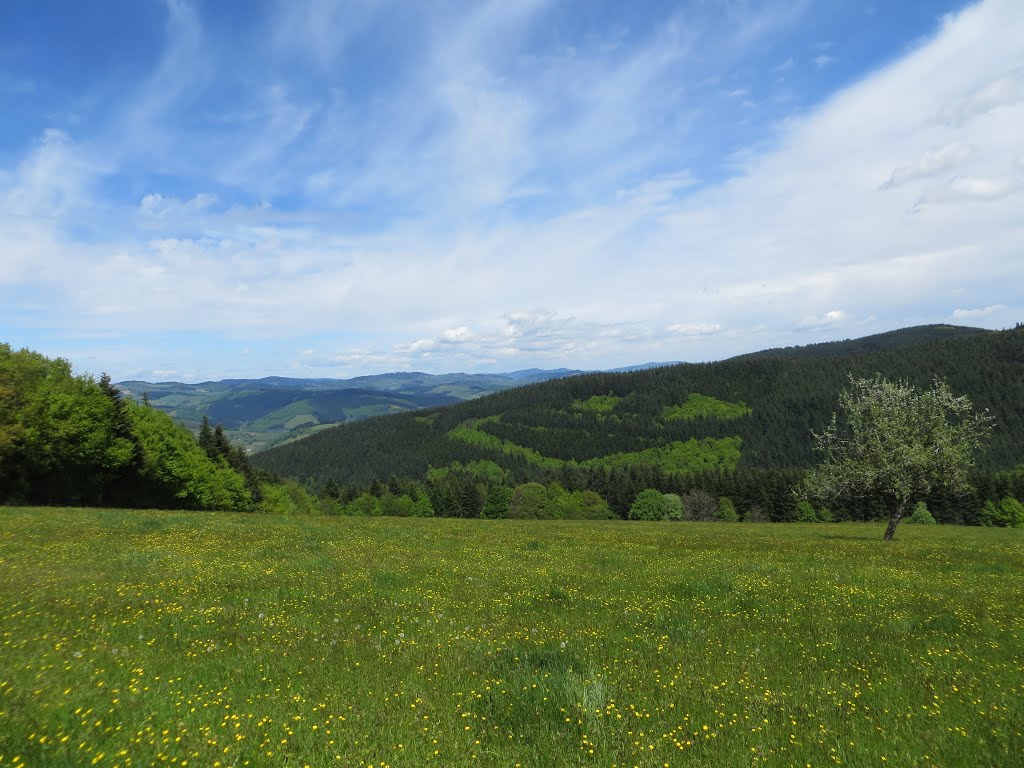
493	202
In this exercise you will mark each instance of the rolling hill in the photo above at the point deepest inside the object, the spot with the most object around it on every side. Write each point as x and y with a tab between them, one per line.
753	411
259	413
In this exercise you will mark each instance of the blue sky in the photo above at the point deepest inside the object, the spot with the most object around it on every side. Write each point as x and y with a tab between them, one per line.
197	190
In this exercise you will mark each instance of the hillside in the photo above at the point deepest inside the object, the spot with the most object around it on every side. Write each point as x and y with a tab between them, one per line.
259	413
755	411
878	342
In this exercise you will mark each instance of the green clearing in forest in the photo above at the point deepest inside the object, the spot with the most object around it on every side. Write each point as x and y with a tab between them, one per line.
147	637
699	406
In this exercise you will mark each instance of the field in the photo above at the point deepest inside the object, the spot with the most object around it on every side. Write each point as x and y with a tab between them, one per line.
138	638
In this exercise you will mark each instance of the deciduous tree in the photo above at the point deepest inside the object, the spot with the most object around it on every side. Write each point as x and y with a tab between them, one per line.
897	443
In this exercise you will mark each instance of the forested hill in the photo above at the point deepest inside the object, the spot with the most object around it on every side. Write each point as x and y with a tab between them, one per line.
879	342
751	411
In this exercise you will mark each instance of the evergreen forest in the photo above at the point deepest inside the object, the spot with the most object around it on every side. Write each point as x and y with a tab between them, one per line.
737	432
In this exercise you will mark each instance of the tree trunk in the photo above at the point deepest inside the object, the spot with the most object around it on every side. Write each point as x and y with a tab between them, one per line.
894	519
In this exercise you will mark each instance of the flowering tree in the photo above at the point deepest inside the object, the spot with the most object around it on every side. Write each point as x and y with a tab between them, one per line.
898	443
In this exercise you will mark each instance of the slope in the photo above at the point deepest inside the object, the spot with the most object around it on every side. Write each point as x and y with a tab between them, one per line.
258	413
768	404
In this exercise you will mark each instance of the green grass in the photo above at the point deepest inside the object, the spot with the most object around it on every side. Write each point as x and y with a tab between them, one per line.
134	638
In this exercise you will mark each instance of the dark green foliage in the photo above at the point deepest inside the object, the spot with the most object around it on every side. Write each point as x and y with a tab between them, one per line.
529	501
790	395
700	506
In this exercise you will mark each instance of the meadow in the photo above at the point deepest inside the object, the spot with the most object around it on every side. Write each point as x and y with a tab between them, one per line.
138	638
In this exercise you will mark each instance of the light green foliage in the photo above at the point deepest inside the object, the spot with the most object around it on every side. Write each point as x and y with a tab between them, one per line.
529	501
287	498
921	515
562	505
421	506
897	443
602	405
727	510
363	505
1008	513
1013	512
471	433
356	634
680	456
674	505
575	505
177	468
650	504
805	512
699	406
56	430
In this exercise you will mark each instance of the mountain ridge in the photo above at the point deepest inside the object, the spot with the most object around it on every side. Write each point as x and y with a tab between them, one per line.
564	424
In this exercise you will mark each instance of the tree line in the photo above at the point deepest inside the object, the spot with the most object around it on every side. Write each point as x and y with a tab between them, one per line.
69	439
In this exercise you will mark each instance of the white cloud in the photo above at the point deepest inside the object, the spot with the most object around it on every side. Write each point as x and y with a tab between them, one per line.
974	314
693	329
881	200
833	317
932	162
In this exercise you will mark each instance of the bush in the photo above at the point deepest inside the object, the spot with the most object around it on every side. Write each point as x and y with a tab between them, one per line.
921	515
1013	512
1009	513
650	504
529	502
700	506
756	514
673	506
287	498
805	512
727	510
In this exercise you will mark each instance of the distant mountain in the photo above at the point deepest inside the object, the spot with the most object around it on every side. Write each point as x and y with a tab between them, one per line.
259	413
642	367
754	411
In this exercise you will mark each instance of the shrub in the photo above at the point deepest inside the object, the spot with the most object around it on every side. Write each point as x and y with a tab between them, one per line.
1009	513
700	506
805	512
287	498
727	510
1013	512
756	514
921	515
650	504
673	506
529	501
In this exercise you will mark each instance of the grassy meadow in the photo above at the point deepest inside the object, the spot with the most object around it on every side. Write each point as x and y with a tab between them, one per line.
139	638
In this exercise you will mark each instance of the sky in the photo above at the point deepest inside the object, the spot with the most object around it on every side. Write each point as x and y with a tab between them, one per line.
195	190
